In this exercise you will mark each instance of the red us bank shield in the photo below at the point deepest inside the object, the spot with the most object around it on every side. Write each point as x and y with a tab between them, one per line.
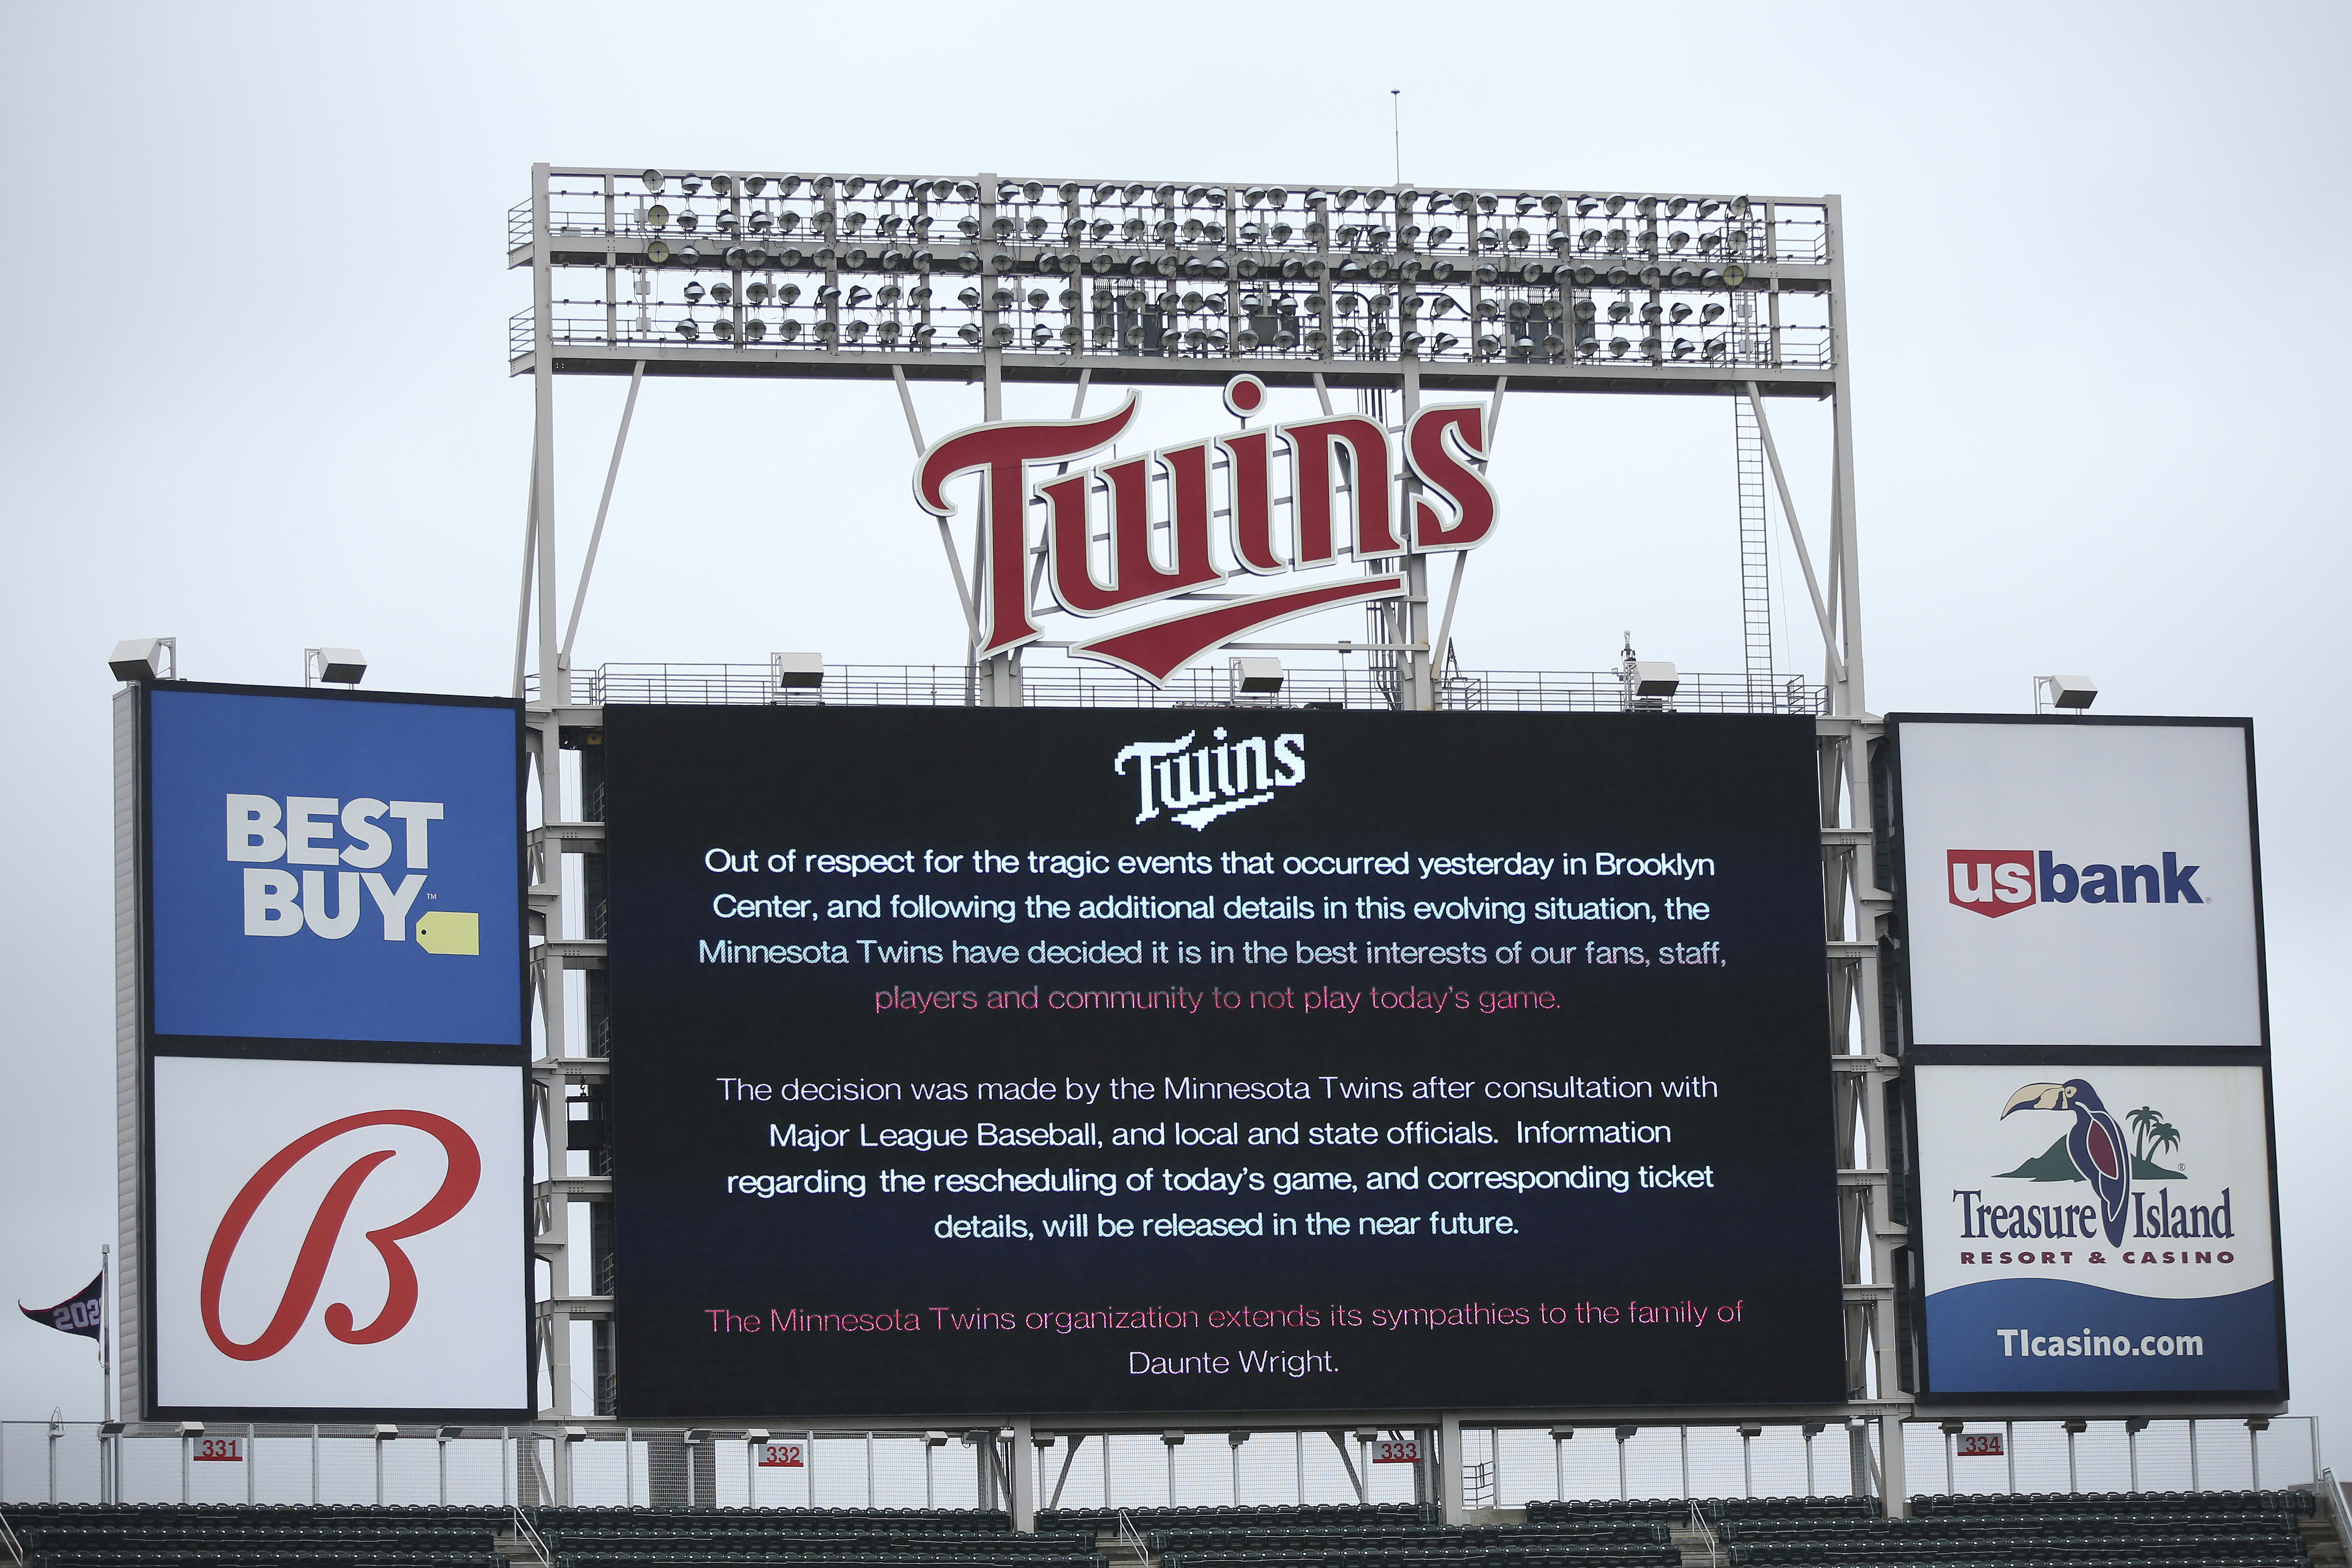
1990	882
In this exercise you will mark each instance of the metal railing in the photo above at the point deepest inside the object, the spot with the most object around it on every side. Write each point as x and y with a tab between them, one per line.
529	1534
1504	1467
1705	1530
1052	683
2332	1507
1056	333
1130	1537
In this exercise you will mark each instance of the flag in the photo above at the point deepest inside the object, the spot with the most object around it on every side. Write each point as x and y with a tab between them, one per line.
80	1315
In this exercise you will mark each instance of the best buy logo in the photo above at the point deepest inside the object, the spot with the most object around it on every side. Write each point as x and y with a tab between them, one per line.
317	830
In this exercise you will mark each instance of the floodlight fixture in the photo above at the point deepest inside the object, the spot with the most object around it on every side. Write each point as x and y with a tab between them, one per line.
694	292
2071	692
653	179
797	671
721	185
145	658
385	1432
657	252
333	665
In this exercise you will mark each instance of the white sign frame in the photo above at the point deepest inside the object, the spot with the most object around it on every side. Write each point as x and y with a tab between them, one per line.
243	1135
2149	932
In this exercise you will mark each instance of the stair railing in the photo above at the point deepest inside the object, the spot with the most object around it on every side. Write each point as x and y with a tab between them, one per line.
1131	1537
531	1538
2339	1519
1705	1529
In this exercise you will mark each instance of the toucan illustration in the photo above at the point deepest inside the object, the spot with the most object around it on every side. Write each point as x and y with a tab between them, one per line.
2096	1143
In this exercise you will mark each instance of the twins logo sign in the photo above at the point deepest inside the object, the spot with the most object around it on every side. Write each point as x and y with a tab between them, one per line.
1995	883
1436	498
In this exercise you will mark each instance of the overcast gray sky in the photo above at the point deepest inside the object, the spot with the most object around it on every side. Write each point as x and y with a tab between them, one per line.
255	393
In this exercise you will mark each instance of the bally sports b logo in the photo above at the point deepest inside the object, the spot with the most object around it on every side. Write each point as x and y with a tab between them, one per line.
457	1184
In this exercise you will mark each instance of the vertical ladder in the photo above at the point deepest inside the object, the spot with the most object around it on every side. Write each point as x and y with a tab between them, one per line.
1755	553
1385	620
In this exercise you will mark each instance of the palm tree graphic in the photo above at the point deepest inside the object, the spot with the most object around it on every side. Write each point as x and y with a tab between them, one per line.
2142	1120
2162	1136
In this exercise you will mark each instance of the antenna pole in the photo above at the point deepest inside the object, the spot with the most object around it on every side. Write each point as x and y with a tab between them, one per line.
1396	130
105	1338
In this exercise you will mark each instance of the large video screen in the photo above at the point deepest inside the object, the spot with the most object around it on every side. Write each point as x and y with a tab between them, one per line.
1219	1059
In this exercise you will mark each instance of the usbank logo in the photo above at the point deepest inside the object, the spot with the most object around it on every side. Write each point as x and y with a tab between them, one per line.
338	879
1995	883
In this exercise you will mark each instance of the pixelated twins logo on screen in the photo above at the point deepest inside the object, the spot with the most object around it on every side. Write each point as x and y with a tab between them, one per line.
334	870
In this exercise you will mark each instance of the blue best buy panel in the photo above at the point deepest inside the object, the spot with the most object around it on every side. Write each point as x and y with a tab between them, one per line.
334	867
